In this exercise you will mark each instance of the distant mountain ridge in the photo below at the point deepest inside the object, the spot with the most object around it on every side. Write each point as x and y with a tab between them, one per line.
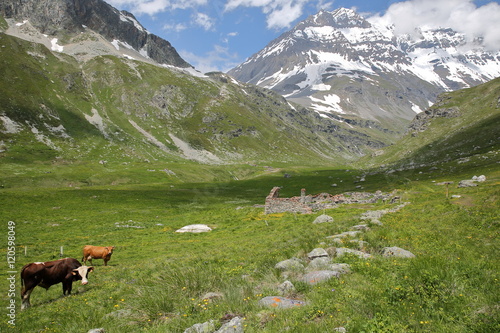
63	17
340	64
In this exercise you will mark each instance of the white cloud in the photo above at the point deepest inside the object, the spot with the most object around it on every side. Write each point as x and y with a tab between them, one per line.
280	13
460	15
152	7
204	21
177	27
219	59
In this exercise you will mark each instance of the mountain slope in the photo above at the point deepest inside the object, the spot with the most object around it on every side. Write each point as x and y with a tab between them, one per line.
54	107
75	22
459	126
340	64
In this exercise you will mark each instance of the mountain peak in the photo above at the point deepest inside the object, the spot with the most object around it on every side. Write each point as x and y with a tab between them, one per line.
339	18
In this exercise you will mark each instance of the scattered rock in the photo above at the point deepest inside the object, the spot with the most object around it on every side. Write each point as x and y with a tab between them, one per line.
323	219
467	183
210	296
97	330
480	179
234	326
317	253
206	327
286	288
395	251
195	228
292	264
341	251
280	302
363	227
345	234
319	276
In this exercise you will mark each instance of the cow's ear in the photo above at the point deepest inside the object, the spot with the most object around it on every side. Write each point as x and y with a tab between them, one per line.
90	269
75	271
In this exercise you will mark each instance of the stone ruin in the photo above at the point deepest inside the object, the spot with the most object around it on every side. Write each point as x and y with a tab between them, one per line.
307	204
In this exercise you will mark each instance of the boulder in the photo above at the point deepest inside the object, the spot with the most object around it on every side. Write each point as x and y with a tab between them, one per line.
345	234
233	326
341	251
395	251
323	219
292	264
317	253
280	302
195	228
467	183
286	288
206	327
319	276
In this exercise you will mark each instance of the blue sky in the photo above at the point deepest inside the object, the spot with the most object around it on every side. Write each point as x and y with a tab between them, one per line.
217	35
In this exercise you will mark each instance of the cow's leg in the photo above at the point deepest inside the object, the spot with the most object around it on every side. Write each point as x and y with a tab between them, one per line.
106	262
29	285
25	296
67	286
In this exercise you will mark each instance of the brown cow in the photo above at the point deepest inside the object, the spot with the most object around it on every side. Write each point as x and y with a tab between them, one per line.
46	274
97	252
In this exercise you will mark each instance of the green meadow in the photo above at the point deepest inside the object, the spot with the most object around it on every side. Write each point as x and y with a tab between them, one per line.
156	279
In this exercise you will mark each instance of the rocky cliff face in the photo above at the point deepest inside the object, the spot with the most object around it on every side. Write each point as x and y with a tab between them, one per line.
62	17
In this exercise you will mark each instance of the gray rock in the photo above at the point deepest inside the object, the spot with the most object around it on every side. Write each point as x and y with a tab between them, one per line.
480	179
233	326
317	253
467	183
319	263
362	227
292	264
286	288
97	330
280	302
323	219
319	276
341	251
395	251
206	327
195	228
345	234
211	296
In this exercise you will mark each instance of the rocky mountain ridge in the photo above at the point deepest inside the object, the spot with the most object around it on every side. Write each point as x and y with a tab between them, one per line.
79	21
341	64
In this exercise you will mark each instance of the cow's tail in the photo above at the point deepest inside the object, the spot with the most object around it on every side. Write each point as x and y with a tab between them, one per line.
22	273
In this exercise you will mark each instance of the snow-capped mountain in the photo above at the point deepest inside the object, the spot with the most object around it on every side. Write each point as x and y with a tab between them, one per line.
341	64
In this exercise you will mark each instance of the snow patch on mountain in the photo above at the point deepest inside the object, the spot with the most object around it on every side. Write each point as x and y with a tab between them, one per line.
329	103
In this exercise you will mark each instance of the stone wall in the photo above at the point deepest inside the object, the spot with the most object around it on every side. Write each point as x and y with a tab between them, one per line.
307	204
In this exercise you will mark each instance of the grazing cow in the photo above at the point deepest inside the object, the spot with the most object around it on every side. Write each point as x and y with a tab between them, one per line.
46	274
97	252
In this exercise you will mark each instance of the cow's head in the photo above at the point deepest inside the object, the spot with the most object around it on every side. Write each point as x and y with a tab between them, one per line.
81	272
110	249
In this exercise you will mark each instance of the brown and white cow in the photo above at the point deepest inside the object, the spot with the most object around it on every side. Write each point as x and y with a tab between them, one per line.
46	274
97	252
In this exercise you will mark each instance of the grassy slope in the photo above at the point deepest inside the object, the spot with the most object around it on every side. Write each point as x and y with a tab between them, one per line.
42	90
474	131
160	276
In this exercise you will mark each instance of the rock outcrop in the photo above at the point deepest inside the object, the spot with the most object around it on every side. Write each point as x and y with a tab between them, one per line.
63	17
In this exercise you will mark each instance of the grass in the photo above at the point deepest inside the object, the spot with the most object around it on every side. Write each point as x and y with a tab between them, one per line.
157	279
